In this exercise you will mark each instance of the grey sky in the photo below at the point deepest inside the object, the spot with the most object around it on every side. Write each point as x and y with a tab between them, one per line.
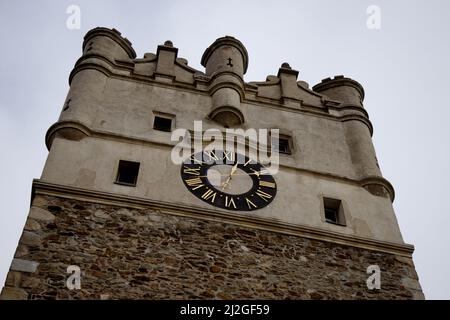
404	68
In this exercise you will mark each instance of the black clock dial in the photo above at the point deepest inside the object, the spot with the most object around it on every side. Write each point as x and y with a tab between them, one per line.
229	181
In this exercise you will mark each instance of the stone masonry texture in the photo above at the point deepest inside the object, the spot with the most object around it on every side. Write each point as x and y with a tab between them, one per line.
145	254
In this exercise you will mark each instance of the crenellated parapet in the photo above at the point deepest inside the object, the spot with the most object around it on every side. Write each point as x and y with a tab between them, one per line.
226	61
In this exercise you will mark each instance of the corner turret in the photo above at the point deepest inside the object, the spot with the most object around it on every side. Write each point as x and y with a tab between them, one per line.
226	54
346	90
108	43
226	62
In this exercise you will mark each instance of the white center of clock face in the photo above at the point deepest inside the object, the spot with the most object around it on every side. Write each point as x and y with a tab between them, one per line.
221	178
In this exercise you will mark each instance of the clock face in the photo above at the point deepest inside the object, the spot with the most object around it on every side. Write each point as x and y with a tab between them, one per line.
229	181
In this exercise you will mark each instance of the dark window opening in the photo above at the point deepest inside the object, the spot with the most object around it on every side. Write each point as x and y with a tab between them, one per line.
162	124
127	173
331	215
283	146
334	212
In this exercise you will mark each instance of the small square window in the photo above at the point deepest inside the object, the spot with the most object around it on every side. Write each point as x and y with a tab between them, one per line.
331	215
162	124
127	173
334	213
283	145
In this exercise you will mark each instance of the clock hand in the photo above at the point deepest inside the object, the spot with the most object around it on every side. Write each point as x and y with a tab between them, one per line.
226	183
233	170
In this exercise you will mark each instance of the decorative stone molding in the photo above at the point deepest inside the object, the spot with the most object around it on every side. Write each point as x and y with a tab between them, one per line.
45	188
227	116
69	130
378	186
339	81
371	184
357	117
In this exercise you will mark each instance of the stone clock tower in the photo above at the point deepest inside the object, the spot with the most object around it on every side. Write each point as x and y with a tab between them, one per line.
113	217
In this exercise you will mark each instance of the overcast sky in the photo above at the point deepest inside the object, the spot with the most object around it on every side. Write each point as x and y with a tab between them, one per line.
404	67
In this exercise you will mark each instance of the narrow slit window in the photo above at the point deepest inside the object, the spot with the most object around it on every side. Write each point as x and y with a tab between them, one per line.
162	124
334	213
127	173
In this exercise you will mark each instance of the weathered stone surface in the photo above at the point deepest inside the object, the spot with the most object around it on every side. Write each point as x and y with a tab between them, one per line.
9	293
418	295
30	239
32	225
24	265
30	282
406	260
13	279
173	257
411	284
100	214
41	214
21	251
39	201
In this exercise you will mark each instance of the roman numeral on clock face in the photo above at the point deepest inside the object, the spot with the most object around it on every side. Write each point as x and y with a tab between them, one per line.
229	201
195	183
212	155
267	184
228	155
194	159
192	171
263	195
250	204
209	195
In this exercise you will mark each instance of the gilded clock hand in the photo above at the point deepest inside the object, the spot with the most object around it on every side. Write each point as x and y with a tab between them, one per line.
258	173
226	183
233	170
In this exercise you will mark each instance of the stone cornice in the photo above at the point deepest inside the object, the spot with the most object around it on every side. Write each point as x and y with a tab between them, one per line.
260	101
356	117
86	131
378	181
233	81
351	107
44	188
